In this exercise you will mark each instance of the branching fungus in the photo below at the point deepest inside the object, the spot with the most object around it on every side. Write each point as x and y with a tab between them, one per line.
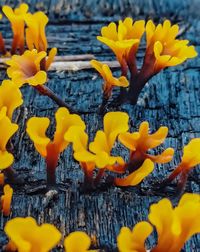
163	49
50	150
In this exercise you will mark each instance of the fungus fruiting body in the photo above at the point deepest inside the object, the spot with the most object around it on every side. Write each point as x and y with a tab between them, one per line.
26	68
77	241
27	236
36	36
139	143
7	130
109	80
123	39
50	150
174	226
10	97
163	49
98	153
6	200
134	240
190	159
16	18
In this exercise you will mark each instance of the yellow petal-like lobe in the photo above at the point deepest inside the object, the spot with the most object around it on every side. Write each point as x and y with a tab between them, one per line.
77	242
6	159
189	197
140	142
35	32
175	226
191	154
41	238
16	18
162	42
10	97
109	80
123	37
99	153
64	121
137	176
134	241
50	58
7	130
38	79
26	68
114	124
85	156
120	48
6	200
36	129
129	140
157	138
97	65
103	159
100	143
78	137
165	157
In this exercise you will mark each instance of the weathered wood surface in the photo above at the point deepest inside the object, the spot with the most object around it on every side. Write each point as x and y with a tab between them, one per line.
172	98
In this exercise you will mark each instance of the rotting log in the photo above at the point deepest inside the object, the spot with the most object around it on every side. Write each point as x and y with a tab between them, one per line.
172	98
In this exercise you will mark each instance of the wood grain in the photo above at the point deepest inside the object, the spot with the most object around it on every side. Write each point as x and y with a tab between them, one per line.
171	98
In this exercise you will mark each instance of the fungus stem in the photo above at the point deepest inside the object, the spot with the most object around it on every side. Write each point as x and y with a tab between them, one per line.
182	182
99	176
2	45
48	92
173	175
88	176
88	180
103	105
51	164
138	80
123	92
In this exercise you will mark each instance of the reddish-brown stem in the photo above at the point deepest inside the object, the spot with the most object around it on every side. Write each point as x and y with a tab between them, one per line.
138	81
136	160
2	45
43	64
131	61
99	176
88	177
48	92
14	44
103	104
88	170
124	70
17	43
182	182
51	164
124	67
176	172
